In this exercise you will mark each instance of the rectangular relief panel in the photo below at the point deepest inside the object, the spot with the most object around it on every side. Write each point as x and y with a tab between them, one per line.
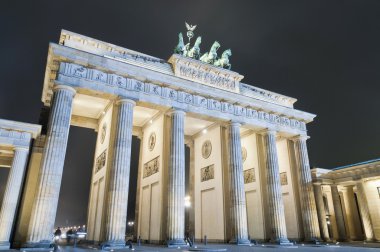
151	167
249	176
101	161
207	173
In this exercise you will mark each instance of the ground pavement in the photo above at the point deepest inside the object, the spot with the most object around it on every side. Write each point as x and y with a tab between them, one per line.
343	247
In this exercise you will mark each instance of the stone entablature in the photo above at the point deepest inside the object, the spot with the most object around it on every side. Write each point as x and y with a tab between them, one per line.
118	81
14	138
183	67
33	129
266	95
347	175
19	134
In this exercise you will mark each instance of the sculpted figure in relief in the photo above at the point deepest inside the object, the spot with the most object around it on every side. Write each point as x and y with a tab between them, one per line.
211	56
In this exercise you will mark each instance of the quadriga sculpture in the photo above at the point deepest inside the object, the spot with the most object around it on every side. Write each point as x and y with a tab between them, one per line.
195	52
180	48
211	56
224	61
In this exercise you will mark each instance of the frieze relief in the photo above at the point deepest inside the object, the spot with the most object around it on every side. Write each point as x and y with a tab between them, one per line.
207	173
74	70
151	167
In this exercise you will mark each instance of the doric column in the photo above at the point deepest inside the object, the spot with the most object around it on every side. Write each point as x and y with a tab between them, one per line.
49	179
308	207
275	201
364	212
338	213
117	198
238	209
321	212
11	195
176	193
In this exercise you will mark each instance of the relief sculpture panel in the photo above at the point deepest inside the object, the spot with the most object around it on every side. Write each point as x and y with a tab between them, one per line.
207	173
101	161
151	167
283	178
249	176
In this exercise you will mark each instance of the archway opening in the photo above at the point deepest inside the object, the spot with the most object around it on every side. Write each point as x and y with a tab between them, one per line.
76	179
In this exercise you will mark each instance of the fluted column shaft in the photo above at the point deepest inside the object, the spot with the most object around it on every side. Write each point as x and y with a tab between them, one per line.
50	175
238	209
275	200
338	213
309	209
321	212
12	193
176	193
364	211
117	198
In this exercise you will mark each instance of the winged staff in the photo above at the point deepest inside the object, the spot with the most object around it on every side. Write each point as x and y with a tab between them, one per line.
210	57
190	30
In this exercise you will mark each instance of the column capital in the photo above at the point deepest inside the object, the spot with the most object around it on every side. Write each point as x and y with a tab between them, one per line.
60	87
234	123
267	131
299	138
175	111
124	100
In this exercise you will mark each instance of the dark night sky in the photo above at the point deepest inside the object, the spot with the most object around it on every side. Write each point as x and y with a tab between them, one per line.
325	53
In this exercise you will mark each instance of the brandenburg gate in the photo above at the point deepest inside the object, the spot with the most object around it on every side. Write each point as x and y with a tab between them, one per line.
249	175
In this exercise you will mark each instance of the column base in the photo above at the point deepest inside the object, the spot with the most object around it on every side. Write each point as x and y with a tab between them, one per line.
44	245
176	243
313	241
4	245
282	242
242	242
111	245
